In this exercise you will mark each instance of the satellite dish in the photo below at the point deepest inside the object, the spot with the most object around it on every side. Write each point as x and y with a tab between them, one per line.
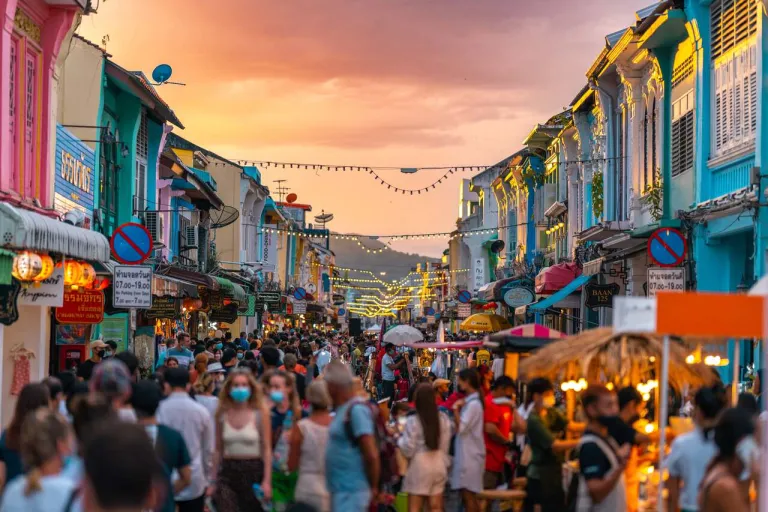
322	219
291	198
497	246
224	217
162	73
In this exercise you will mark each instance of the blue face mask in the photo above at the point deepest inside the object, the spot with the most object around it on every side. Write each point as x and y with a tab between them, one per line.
276	396
240	394
240	355
68	461
219	346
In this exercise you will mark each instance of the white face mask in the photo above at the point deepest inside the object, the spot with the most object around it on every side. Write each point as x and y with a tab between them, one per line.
548	401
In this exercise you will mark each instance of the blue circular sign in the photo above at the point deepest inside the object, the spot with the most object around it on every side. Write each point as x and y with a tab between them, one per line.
299	293
342	312
131	243
464	296
667	247
430	311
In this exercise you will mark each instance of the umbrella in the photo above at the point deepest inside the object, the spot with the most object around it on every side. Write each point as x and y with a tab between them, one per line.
374	328
403	334
615	355
454	345
524	338
482	322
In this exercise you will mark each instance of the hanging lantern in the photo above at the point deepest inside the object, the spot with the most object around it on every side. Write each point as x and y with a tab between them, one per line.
72	272
87	275
27	266
47	268
101	284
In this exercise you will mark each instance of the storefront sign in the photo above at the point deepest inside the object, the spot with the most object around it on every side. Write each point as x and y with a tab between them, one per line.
227	314
634	314
132	286
72	334
50	292
518	296
464	310
115	329
600	295
81	307
269	247
9	294
478	270
299	307
163	307
73	186
665	280
269	299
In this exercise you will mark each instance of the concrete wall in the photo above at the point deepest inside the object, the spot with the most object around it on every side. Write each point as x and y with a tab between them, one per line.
79	91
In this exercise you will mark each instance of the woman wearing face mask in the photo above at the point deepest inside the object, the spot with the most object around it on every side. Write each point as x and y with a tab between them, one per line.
720	488
286	411
469	461
690	453
46	446
243	445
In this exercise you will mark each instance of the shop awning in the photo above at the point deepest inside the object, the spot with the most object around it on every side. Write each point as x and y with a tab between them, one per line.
23	229
563	293
593	267
233	290
188	276
492	291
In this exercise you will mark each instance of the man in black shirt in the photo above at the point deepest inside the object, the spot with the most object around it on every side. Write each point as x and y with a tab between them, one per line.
601	460
85	370
631	409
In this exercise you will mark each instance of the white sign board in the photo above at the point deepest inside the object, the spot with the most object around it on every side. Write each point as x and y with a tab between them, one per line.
665	280
479	273
464	310
299	307
132	285
50	292
634	314
269	247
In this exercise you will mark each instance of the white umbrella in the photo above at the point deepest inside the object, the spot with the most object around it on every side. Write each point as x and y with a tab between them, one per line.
403	334
375	328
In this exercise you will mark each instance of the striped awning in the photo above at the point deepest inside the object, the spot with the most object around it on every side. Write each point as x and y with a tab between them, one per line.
23	229
232	290
593	267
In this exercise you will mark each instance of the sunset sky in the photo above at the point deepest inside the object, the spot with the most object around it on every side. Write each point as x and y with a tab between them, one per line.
402	83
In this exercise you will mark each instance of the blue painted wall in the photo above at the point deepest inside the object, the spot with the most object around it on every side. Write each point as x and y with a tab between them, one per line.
75	180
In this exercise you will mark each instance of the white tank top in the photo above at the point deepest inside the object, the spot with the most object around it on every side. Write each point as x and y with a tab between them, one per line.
242	442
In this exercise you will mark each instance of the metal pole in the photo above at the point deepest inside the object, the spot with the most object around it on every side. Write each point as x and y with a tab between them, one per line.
736	374
663	413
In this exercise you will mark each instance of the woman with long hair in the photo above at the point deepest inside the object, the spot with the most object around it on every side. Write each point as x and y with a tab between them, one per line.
200	366
469	461
31	398
425	442
286	411
307	454
204	387
243	445
720	489
46	445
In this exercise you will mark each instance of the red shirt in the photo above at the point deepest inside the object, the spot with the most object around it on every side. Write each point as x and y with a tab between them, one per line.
501	416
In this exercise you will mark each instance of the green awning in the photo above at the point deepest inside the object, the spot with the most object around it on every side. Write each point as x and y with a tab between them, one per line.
231	290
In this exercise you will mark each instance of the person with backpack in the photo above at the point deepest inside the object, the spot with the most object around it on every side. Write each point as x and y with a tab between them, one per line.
601	459
352	463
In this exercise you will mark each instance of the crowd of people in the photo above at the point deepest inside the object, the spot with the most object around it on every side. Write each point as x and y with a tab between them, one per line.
313	422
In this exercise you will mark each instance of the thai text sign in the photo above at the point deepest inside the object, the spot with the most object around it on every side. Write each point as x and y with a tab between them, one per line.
132	285
163	307
665	280
73	187
81	307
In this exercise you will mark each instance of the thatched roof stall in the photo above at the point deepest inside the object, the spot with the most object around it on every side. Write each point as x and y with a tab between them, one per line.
600	355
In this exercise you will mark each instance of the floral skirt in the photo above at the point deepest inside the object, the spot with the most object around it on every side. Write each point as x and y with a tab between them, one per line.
234	487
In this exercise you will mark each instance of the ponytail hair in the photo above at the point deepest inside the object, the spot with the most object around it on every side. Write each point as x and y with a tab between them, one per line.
41	434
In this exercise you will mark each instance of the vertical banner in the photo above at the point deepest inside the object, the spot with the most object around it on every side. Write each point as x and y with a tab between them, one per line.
478	271
269	248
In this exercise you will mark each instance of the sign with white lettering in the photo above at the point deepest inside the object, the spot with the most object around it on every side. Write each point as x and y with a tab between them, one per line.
50	292
665	280
269	239
464	310
478	269
73	185
132	286
299	307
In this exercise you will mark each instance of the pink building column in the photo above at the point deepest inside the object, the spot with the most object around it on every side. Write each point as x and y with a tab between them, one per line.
8	8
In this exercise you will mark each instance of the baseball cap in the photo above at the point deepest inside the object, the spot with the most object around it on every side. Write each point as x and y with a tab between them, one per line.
215	368
98	344
111	377
440	382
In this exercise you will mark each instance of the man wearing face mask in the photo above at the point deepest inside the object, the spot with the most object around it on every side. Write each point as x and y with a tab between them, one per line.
98	350
601	459
546	426
631	408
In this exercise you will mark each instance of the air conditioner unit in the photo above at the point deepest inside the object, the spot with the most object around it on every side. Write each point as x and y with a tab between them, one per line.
153	221
191	237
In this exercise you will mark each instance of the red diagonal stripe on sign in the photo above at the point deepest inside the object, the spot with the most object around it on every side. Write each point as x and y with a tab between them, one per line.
668	248
133	244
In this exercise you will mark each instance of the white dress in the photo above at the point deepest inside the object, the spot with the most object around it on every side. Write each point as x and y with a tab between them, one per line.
310	487
427	471
469	459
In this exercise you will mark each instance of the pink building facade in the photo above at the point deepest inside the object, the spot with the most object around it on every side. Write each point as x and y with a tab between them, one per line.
33	31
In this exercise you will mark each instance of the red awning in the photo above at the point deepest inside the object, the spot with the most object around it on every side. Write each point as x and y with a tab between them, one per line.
555	278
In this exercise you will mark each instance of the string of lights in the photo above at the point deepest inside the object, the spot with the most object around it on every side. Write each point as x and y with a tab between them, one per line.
416	236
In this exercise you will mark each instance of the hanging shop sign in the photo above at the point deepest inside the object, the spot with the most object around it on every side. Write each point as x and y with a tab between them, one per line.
299	307
270	239
269	299
132	287
227	314
338	299
478	273
131	244
249	309
81	307
518	296
166	306
600	295
665	280
73	185
9	310
667	247
49	292
464	310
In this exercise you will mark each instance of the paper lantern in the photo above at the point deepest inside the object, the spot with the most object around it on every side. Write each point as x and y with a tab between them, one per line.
26	266
47	269
87	275
72	273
